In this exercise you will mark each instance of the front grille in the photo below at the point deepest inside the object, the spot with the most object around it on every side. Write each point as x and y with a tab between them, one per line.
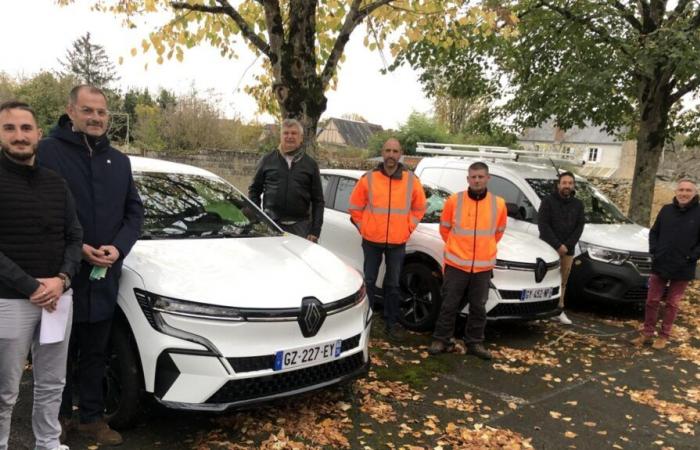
523	309
512	265
636	293
253	363
642	261
515	295
270	385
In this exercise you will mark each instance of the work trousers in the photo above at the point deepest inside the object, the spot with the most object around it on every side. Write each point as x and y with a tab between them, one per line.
393	259
456	284
674	293
20	323
87	356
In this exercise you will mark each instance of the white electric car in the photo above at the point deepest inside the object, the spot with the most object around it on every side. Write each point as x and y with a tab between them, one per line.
219	308
525	283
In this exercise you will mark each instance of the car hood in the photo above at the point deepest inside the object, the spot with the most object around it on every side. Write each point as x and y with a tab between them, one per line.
628	237
268	272
514	246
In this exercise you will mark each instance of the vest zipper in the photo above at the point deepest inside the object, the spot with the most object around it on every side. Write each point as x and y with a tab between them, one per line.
388	217
476	216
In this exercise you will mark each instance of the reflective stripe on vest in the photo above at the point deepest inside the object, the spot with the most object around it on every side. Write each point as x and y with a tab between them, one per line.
377	210
469	262
459	230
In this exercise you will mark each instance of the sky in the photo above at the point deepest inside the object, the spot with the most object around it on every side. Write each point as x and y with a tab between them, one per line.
41	39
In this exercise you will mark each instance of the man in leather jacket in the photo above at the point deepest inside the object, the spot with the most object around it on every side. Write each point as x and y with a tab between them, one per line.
289	182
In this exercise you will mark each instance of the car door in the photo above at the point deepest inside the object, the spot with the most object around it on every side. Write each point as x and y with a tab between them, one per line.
515	198
339	234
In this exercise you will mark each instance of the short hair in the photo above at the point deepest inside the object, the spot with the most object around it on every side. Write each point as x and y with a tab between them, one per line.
479	166
566	174
288	123
687	180
73	95
15	104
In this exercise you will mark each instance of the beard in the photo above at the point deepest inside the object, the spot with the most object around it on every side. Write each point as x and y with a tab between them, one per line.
19	156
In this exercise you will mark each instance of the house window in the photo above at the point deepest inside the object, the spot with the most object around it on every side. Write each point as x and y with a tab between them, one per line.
593	154
568	151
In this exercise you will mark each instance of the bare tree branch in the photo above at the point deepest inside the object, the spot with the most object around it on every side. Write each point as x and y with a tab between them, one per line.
690	86
275	31
226	8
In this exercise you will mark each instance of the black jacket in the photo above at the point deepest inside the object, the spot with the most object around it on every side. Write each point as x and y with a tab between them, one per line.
109	209
289	193
674	241
40	235
561	220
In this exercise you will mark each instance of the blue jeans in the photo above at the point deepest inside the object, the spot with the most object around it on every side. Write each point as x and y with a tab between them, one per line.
393	256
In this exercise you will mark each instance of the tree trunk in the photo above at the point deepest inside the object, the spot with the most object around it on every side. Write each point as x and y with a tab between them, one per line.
655	105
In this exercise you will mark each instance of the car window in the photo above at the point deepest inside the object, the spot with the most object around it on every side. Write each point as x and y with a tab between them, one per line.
435	201
192	206
326	183
342	193
512	194
597	207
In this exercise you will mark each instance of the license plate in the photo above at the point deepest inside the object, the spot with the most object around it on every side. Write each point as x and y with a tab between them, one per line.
535	294
303	356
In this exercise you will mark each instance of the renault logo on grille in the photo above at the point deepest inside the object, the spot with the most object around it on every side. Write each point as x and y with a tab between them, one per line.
311	316
540	269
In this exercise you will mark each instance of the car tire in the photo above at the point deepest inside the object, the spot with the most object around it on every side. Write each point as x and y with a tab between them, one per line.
420	297
123	388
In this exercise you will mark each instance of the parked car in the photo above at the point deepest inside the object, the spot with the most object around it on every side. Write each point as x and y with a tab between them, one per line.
526	280
219	308
612	261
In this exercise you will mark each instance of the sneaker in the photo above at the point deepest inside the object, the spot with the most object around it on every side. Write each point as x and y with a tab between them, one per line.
438	347
479	351
641	340
62	447
66	427
100	432
563	319
660	343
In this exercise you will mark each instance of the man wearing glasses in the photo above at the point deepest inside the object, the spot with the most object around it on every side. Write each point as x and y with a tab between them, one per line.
111	214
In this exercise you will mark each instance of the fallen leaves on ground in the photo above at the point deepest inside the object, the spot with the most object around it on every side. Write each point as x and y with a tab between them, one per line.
483	437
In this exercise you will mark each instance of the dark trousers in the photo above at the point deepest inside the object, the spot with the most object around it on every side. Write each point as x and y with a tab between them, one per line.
393	256
300	229
456	284
87	354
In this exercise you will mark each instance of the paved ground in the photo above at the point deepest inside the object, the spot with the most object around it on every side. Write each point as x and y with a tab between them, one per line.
552	387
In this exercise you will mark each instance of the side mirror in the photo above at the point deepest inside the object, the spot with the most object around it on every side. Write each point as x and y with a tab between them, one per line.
515	212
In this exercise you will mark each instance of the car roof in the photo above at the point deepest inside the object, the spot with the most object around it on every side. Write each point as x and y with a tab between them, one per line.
141	164
510	168
344	172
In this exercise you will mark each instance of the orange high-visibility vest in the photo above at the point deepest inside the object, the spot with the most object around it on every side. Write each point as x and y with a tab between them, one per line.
471	229
386	209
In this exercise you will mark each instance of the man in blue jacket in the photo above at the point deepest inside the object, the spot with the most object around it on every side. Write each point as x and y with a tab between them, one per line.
111	214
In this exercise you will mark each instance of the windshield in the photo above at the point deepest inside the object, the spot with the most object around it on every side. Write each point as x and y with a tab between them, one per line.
435	200
191	206
598	209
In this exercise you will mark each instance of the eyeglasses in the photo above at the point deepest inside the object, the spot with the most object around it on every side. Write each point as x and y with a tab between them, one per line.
87	111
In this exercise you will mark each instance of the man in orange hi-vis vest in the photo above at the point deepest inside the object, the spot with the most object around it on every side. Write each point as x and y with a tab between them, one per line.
387	204
472	223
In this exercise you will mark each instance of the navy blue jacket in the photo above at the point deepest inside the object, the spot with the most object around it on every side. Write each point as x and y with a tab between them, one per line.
674	241
109	209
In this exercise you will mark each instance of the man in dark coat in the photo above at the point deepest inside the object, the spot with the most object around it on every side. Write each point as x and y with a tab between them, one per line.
560	221
674	244
111	214
289	182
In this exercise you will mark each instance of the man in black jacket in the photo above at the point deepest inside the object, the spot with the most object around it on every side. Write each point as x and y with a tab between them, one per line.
560	221
111	213
290	185
40	240
674	243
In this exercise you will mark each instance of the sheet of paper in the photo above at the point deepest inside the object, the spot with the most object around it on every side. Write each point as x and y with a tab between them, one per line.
54	324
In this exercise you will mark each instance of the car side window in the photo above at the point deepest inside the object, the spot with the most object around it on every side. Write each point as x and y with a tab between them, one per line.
342	193
512	194
325	185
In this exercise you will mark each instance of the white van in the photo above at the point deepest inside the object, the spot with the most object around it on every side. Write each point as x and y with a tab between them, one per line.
612	261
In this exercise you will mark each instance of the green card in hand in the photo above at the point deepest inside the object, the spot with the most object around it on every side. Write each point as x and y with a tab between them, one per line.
98	273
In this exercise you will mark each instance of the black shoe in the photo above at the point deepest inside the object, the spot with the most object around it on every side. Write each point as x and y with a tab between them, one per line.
396	332
439	346
479	351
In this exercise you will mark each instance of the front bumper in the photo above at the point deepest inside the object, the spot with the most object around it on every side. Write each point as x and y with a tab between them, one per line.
599	281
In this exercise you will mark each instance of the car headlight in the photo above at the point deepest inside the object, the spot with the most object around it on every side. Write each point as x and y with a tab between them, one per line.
159	303
604	254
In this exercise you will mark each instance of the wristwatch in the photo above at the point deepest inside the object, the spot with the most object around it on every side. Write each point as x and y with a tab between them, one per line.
66	281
